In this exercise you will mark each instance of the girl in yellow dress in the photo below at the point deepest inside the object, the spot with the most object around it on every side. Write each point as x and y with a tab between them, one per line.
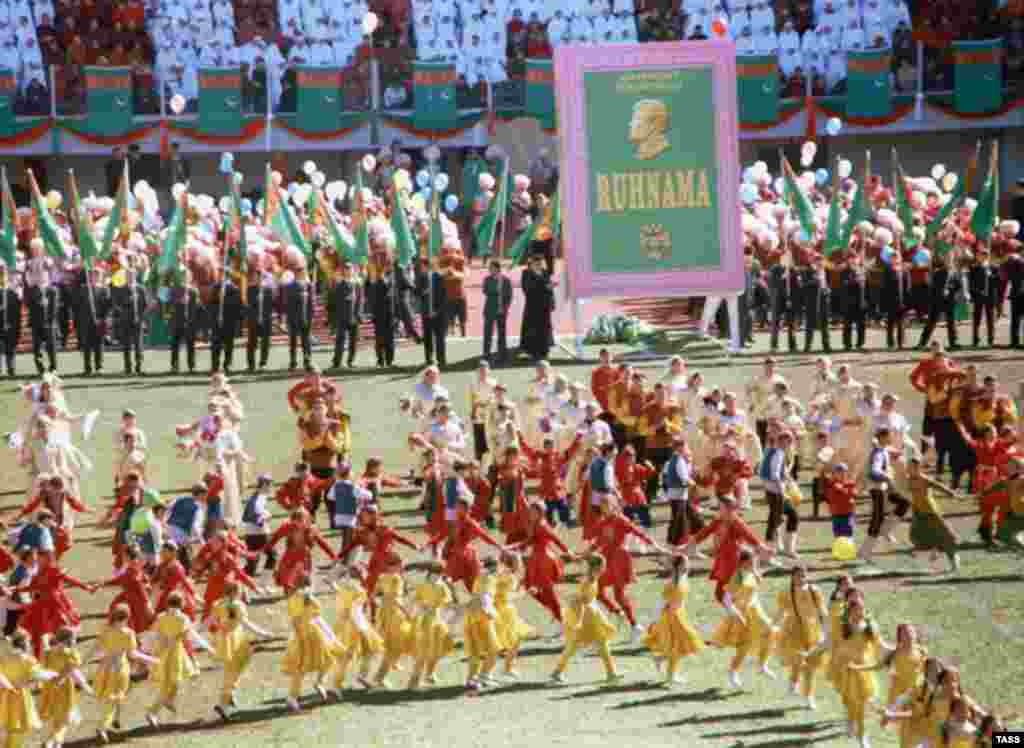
747	629
907	661
960	730
585	624
19	673
356	636
910	710
174	664
116	645
58	702
858	687
313	648
511	628
232	641
836	610
804	622
481	635
394	625
432	640
940	705
672	637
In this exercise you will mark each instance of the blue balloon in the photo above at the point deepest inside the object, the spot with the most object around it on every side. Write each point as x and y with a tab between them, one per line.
821	177
426	191
922	258
748	174
833	126
748	193
164	294
227	162
780	185
887	254
246	206
423	178
441	182
451	203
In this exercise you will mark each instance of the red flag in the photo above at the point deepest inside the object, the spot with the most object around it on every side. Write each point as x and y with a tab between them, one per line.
812	118
165	141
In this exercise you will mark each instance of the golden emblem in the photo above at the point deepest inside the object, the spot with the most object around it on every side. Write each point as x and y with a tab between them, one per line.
655	241
648	128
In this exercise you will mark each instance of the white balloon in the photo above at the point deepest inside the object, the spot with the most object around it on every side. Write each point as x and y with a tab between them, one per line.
178	190
319	179
845	169
938	172
308	168
370	23
177	103
369	162
225	204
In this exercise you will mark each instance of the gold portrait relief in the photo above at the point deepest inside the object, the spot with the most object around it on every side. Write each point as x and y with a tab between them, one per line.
648	129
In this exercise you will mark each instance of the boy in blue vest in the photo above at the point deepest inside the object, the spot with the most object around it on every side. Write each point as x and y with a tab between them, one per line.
256	526
147	527
185	520
349	498
26	569
677	480
38	535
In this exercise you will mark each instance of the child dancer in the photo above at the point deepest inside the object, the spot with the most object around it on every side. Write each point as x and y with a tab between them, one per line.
116	644
301	536
233	643
840	493
804	619
511	628
543	568
174	664
746	629
632	477
907	661
480	487
551	465
313	649
356	635
462	564
671	637
929	531
857	687
585	625
58	701
912	711
481	644
19	673
432	640
394	625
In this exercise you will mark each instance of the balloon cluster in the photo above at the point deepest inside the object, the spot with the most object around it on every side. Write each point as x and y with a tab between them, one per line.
438	184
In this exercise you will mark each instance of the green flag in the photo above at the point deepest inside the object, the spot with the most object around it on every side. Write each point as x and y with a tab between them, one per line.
798	201
174	241
283	224
904	210
83	225
8	232
117	216
861	208
963	186
47	227
488	228
405	245
361	221
833	232
241	246
984	219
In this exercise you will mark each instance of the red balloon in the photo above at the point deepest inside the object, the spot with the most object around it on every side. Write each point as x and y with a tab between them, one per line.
718	27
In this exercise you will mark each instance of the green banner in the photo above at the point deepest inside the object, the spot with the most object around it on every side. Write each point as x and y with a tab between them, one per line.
8	91
434	96
757	86
868	87
540	92
220	101
319	100
653	171
978	76
109	99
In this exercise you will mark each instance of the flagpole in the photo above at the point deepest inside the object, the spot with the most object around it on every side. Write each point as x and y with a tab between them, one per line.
504	209
430	242
224	272
87	263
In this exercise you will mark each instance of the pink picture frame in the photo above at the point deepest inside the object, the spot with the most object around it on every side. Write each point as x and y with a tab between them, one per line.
571	64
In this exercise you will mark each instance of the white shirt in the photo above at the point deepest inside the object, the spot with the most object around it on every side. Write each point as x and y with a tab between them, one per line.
447	436
262	512
480	395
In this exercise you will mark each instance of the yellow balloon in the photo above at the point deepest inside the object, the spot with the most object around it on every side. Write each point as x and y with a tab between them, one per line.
53	199
844	549
119	279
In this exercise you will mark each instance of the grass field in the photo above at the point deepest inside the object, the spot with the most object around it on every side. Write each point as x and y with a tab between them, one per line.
973	620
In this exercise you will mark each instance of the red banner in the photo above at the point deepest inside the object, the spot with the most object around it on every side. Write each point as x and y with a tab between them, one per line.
220	80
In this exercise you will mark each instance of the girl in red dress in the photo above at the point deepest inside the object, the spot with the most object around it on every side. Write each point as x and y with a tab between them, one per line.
297	562
543	567
482	494
379	540
51	608
632	477
170	577
510	488
221	562
993	458
461	562
134	591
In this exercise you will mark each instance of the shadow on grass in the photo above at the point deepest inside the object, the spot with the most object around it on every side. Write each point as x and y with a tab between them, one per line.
794	742
942	581
680	697
804	728
731	717
611	690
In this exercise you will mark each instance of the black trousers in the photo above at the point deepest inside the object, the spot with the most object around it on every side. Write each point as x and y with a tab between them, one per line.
258	544
492	325
90	342
384	339
685	520
222	345
8	349
346	337
298	337
44	336
186	336
1016	319
778	508
984	310
479	440
936	312
456	312
64	314
854	320
783	313
258	339
131	340
435	331
879	511
404	312
817	319
894	326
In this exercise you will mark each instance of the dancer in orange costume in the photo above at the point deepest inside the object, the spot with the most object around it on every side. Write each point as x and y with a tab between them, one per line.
510	488
543	568
462	564
379	539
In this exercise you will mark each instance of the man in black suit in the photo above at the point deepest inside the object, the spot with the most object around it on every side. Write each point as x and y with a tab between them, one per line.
130	300
816	293
186	311
298	304
497	290
93	302
1013	269
433	302
348	314
853	282
784	294
985	286
10	320
946	287
225	318
43	312
260	318
402	307
382	292
896	301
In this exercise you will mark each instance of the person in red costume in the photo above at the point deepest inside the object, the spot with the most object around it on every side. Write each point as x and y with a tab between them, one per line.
602	378
51	608
726	472
379	540
297	492
632	477
170	577
297	562
220	561
461	562
134	591
482	492
510	488
993	457
921	379
551	465
611	532
585	512
312	388
543	568
732	533
53	497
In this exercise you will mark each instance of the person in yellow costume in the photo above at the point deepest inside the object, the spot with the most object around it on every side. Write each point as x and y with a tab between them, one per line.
116	645
19	673
910	711
481	635
960	731
671	637
58	701
860	645
232	641
394	624
356	636
585	624
929	531
747	629
907	663
804	619
174	663
836	610
432	639
511	628
313	648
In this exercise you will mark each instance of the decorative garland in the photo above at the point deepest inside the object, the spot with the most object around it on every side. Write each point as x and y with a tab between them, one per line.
24	133
404	123
356	121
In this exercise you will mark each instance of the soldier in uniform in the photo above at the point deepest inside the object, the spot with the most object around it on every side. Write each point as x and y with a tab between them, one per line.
946	286
186	311
43	301
854	285
403	308
433	306
382	294
897	300
984	282
784	293
348	307
225	318
260	317
10	319
130	300
816	293
298	304
91	321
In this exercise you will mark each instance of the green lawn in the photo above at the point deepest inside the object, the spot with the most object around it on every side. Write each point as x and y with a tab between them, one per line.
973	620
